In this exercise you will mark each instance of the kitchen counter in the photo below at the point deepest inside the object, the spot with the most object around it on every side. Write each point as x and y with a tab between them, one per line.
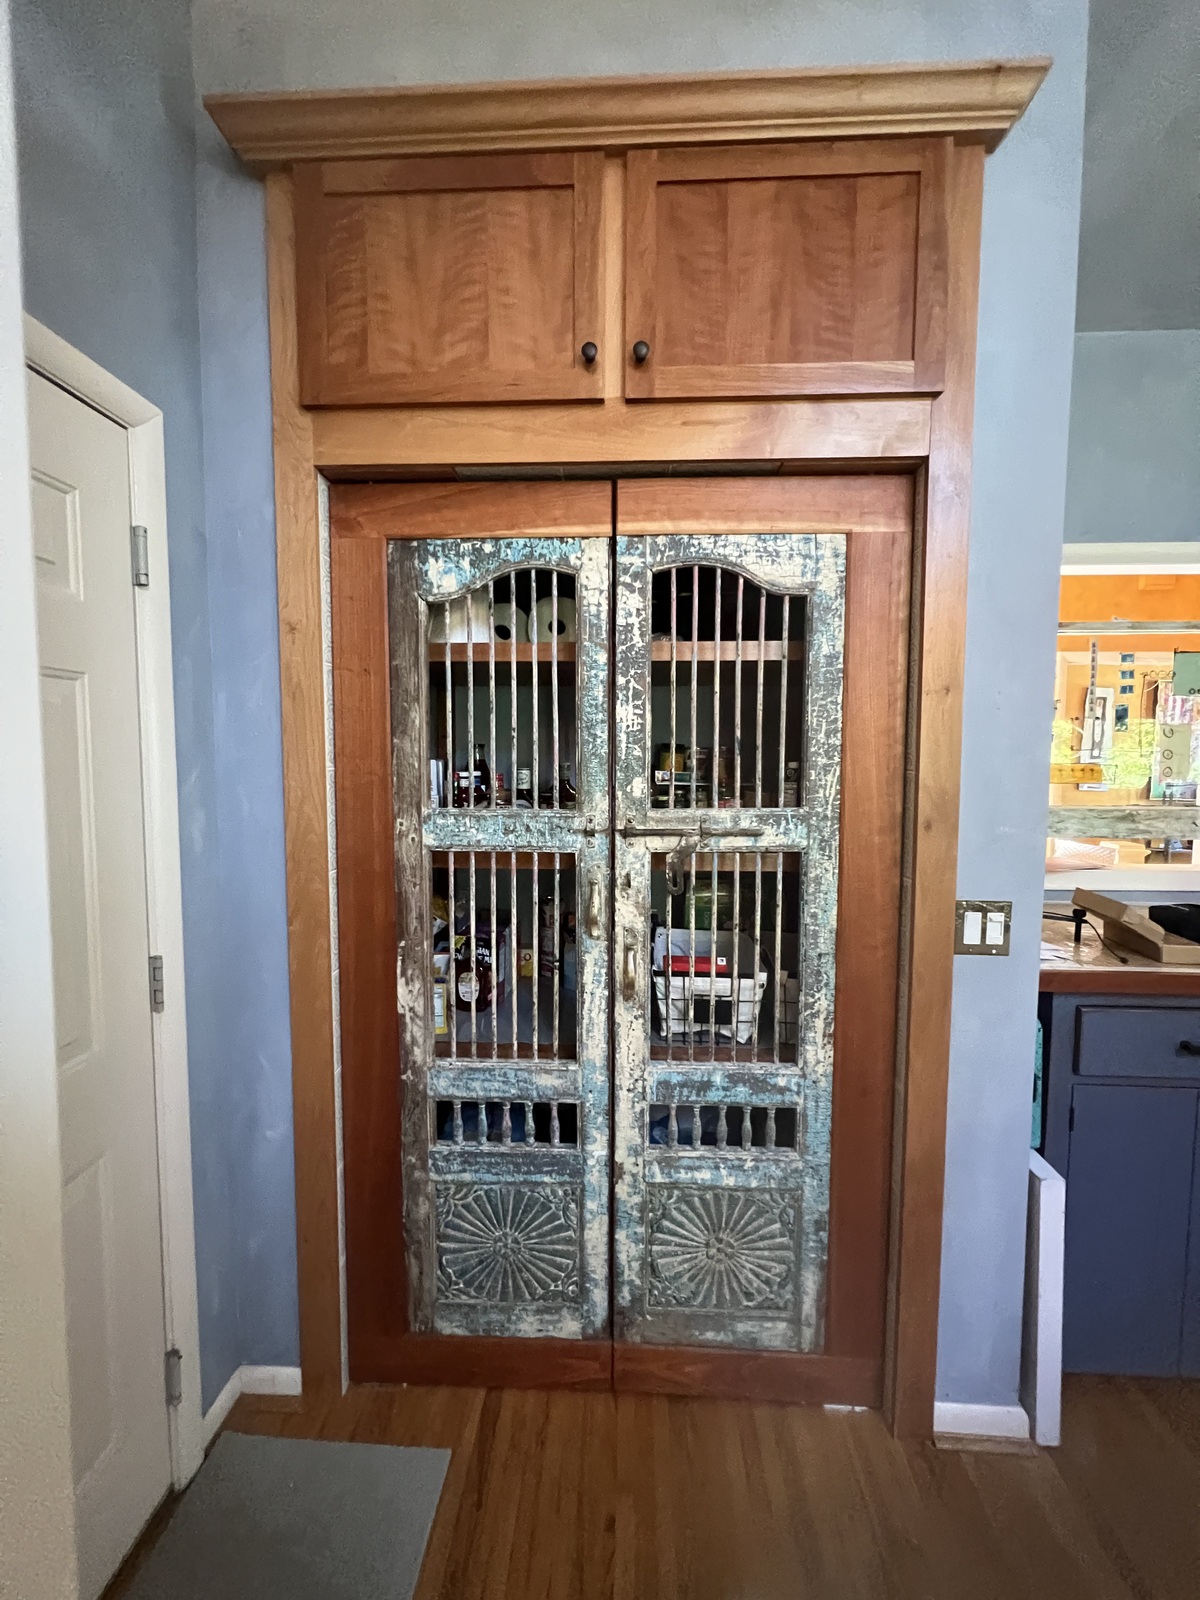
1093	968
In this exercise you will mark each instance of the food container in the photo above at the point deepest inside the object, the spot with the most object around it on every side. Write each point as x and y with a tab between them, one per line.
686	1003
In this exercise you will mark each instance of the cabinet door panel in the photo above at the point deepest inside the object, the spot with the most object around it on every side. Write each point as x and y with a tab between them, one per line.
448	279
1129	1183
816	269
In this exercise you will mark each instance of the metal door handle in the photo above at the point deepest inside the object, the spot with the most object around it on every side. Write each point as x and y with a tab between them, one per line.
593	908
1187	1048
629	974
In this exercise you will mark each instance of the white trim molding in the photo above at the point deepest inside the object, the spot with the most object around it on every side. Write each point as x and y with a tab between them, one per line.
248	1380
957	1420
1041	1347
1129	558
71	370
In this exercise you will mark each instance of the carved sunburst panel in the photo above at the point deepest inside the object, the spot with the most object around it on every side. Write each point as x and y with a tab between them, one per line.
508	1244
721	1249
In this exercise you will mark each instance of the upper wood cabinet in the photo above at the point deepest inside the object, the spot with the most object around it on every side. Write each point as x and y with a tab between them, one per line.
786	269
449	278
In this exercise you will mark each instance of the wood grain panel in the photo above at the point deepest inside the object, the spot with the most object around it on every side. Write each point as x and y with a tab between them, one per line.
932	845
301	672
774	270
870	504
449	279
874	711
614	433
376	1294
487	1363
979	100
475	511
746	1375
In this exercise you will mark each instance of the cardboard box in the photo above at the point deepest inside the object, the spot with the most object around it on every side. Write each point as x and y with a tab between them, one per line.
1131	928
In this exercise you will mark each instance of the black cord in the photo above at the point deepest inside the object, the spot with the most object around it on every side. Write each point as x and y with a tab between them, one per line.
1054	916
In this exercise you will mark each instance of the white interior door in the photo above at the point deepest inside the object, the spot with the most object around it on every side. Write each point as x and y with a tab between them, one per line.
112	1236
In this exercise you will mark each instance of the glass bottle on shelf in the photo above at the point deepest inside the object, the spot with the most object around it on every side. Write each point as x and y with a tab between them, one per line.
524	788
482	778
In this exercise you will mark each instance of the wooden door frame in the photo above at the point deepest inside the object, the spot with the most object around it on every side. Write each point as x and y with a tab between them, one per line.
933	437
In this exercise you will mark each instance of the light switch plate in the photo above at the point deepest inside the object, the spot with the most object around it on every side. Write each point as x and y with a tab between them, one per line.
982	927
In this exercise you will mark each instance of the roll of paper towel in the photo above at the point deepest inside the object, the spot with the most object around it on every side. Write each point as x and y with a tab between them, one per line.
541	621
480	624
504	624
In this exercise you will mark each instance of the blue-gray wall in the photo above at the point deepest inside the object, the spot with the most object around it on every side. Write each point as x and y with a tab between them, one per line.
106	144
1025	346
1134	466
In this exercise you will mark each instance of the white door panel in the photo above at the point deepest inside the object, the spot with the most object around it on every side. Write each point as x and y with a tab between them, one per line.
112	1238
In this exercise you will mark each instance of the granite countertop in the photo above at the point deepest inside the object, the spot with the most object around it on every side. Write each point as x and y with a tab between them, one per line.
1093	968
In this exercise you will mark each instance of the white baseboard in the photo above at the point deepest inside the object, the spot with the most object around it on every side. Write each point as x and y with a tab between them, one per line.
980	1422
247	1380
270	1380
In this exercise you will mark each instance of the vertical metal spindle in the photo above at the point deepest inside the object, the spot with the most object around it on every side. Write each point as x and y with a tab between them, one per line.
492	695
779	996
695	1127
737	696
448	787
506	1122
512	681
555	1131
758	707
691	1032
735	955
554	749
722	1127
457	1133
769	1136
452	986
668	977
757	952
470	699
716	755
783	690
495	941
674	670
535	650
672	1126
537	957
473	979
514	942
557	973
695	681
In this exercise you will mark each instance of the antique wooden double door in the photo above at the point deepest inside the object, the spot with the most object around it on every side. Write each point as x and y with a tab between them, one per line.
618	781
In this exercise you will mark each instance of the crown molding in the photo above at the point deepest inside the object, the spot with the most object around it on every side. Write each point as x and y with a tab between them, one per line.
977	101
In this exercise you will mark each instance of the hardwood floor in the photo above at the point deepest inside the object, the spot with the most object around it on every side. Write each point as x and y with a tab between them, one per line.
583	1496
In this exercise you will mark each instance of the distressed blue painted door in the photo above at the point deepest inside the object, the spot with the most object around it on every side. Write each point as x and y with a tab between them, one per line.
500	706
729	653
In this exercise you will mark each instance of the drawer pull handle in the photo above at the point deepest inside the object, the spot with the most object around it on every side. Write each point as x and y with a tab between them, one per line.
1187	1048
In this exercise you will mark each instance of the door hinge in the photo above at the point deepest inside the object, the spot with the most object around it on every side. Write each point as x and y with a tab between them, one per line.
173	1376
139	547
157	991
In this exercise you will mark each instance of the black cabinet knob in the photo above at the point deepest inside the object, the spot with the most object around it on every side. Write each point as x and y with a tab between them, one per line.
1187	1048
589	352
640	351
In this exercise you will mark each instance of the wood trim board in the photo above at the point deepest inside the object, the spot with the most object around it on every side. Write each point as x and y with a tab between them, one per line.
977	100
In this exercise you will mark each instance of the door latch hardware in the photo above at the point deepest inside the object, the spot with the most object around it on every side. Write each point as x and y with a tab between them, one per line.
593	911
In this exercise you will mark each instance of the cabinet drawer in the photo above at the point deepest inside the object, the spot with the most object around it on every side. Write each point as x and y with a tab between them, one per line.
449	278
1137	1041
775	270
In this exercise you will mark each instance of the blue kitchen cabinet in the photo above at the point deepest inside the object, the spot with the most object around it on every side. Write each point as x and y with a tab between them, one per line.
1122	1123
